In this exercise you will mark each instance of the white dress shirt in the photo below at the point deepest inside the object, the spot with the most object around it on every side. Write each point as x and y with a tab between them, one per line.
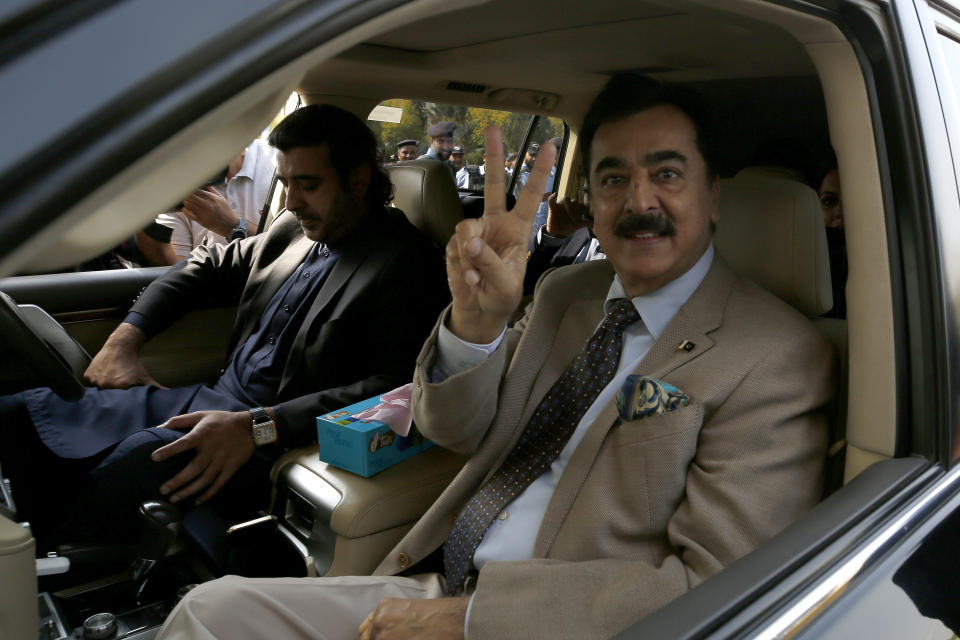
512	534
246	193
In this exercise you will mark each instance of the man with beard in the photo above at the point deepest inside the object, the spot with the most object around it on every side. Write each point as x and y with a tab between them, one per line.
652	417
309	337
441	144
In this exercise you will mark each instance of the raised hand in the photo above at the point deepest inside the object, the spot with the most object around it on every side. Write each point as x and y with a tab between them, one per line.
210	209
486	257
566	216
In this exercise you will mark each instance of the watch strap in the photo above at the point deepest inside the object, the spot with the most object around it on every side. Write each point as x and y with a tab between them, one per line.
240	231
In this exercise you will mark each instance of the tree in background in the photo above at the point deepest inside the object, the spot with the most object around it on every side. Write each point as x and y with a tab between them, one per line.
411	126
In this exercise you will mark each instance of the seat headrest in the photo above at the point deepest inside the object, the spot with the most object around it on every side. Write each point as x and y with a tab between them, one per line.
772	171
771	231
425	191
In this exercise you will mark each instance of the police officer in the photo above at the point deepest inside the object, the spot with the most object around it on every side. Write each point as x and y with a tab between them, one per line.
441	143
407	150
457	158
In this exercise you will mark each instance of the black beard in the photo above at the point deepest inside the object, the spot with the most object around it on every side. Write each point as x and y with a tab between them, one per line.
657	223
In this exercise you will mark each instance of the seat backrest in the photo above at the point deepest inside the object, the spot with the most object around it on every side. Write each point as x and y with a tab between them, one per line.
425	191
771	231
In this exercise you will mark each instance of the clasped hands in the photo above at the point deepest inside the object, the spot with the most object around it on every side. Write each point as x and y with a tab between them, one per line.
486	257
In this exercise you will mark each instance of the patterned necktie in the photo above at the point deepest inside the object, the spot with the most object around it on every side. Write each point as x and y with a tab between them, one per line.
547	433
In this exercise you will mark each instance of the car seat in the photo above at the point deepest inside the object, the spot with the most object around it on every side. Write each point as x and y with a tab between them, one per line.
425	191
771	231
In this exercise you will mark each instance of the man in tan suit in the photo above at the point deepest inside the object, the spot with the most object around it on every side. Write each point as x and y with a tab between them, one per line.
638	500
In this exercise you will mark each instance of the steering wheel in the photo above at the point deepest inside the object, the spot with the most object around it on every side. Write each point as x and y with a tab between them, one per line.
44	346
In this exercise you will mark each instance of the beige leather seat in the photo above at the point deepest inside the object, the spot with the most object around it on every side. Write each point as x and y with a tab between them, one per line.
771	231
425	191
18	586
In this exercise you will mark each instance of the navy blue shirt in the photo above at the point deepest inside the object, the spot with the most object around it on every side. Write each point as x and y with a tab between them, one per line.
254	372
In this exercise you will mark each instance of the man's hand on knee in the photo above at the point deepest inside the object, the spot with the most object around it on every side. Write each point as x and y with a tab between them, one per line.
433	619
222	443
117	365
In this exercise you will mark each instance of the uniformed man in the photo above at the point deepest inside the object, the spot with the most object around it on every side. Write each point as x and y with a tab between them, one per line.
441	143
457	158
407	149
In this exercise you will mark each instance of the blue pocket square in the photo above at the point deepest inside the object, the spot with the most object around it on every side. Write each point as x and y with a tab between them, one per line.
641	396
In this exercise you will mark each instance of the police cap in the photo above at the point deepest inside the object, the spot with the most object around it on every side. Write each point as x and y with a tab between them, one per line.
441	129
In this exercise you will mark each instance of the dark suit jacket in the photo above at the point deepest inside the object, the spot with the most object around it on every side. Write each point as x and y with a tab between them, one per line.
361	336
543	257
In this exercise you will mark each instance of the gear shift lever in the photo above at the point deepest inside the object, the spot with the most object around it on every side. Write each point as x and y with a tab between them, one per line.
159	526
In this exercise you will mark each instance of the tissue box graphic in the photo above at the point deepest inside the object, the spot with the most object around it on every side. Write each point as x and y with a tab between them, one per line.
364	446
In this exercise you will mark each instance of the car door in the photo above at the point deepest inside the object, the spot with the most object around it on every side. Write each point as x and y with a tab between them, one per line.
90	304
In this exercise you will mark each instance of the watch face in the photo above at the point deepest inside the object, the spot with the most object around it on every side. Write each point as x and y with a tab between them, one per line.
264	433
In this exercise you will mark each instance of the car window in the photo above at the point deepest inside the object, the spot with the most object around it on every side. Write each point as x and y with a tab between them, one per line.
172	235
398	120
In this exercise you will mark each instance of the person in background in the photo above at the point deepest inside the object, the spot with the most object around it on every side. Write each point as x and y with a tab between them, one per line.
543	209
471	177
457	159
566	238
407	150
441	143
228	210
831	203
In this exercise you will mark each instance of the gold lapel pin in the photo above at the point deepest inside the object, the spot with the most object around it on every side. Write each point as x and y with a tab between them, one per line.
686	345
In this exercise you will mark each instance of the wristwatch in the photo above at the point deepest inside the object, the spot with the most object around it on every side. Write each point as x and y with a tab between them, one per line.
240	232
264	429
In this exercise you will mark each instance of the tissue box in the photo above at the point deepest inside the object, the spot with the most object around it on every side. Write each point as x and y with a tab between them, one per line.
364	447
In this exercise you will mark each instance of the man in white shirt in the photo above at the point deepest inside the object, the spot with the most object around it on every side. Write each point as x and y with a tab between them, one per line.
220	213
579	510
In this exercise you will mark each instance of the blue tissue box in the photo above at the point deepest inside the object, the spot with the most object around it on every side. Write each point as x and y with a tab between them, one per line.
364	447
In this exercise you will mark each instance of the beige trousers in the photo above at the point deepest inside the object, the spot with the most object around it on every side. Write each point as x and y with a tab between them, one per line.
233	608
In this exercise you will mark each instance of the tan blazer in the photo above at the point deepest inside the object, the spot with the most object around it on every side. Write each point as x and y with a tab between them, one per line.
649	508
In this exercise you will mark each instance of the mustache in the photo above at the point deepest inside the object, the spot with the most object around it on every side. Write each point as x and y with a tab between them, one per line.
301	215
657	223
